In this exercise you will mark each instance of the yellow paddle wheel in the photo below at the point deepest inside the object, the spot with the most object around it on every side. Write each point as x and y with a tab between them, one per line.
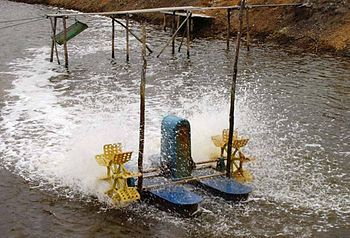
238	143
114	159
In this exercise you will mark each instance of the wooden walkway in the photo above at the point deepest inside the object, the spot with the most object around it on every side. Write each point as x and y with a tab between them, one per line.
187	12
171	9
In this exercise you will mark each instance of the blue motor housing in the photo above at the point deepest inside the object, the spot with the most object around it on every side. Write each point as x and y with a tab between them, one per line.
176	146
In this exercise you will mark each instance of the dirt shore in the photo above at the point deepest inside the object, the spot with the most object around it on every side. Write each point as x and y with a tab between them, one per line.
322	26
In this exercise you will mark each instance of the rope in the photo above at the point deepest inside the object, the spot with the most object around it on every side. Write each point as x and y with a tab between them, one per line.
23	19
22	23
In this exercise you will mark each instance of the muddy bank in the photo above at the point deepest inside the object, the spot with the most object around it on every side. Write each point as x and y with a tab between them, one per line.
323	26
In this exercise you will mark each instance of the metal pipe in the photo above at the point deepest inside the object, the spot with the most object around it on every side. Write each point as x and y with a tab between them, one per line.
183	180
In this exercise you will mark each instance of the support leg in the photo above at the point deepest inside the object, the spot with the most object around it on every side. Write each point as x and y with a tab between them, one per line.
142	111
134	35
65	42
164	22
228	29
174	35
53	27
53	44
173	31
127	39
248	29
182	40
113	38
188	33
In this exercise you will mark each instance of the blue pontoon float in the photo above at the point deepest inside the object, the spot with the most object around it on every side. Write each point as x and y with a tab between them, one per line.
171	186
178	167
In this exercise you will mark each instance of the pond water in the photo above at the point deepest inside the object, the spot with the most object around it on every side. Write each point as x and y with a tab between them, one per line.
295	108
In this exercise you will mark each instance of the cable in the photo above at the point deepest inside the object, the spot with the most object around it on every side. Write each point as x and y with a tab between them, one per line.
24	19
22	23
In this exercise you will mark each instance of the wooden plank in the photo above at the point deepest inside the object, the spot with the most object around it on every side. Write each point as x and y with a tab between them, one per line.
149	10
171	9
274	5
184	14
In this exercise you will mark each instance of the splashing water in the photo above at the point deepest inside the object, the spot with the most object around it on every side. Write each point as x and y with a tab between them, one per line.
55	122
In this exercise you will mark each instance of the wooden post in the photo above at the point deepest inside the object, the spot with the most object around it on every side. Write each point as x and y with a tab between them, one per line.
178	19
113	36
228	29
174	35
182	40
127	38
233	90
53	27
248	28
173	31
53	44
189	14
134	35
142	110
65	42
164	22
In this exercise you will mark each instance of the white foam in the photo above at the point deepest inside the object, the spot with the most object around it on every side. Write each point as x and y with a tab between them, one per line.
46	139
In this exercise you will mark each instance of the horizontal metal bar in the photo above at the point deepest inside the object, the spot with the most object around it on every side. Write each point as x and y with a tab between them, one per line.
184	180
151	170
207	162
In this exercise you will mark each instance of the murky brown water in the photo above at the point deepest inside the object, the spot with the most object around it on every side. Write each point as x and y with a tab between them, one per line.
295	109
